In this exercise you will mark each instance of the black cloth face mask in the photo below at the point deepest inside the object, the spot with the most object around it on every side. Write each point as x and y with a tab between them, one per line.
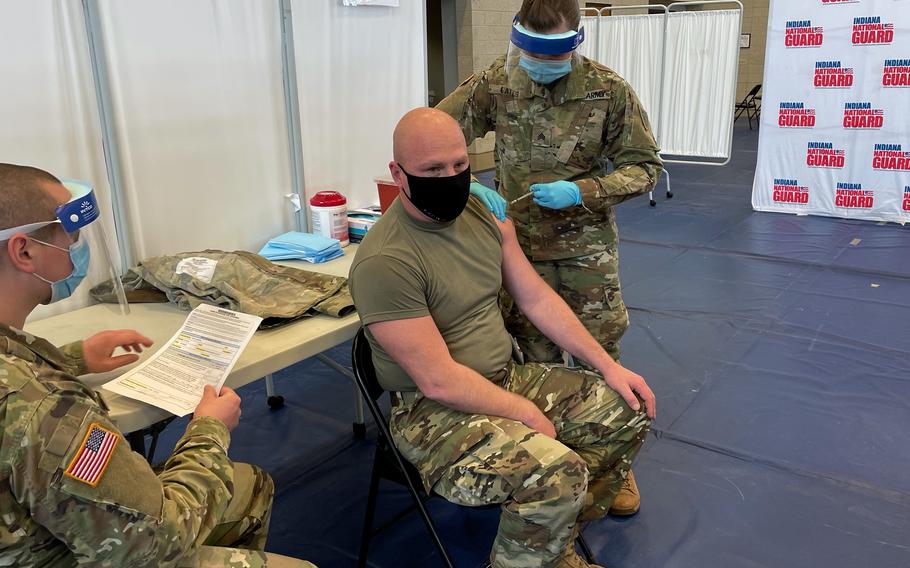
440	198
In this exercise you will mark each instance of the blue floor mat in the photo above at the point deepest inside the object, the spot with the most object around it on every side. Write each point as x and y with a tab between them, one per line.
778	349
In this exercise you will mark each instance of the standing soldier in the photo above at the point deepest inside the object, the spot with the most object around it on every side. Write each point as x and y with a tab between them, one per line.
559	119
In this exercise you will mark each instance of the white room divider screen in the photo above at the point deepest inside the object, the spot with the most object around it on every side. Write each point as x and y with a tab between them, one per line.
48	111
195	109
631	45
199	115
700	69
683	66
358	70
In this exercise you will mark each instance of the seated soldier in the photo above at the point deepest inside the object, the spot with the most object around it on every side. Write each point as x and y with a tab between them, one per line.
550	443
71	491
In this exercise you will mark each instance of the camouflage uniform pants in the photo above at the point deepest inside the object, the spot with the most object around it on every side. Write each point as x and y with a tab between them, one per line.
238	540
590	286
543	484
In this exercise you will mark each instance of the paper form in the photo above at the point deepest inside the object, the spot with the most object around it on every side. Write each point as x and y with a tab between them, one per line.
203	351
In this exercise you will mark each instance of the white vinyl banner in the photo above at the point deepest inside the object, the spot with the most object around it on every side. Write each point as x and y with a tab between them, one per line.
835	138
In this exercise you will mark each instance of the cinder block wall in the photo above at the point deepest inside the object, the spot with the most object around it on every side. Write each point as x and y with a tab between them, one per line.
752	60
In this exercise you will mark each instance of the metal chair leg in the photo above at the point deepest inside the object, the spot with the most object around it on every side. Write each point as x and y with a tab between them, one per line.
431	527
274	401
372	497
585	549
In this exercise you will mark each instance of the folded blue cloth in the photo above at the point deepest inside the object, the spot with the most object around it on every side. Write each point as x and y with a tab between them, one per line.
302	246
307	242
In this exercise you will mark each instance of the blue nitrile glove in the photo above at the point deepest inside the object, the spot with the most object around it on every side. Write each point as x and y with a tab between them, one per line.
494	202
556	195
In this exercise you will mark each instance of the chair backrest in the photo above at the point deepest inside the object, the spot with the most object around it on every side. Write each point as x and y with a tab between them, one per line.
754	91
362	362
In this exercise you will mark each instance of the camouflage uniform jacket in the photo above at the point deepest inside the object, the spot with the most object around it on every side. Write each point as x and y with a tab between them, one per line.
130	517
240	281
589	118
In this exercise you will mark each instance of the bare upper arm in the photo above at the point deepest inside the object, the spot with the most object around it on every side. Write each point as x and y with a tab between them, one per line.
519	278
416	345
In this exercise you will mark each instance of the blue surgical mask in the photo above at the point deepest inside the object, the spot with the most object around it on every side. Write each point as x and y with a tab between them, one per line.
545	71
80	256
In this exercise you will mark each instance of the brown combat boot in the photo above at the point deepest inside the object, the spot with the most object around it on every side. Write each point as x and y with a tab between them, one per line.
628	500
571	558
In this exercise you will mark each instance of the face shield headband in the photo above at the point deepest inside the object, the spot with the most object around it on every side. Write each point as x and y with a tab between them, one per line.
545	44
80	218
79	211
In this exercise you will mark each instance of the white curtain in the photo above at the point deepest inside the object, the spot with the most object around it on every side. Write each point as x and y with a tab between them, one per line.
48	111
700	83
358	71
199	113
633	47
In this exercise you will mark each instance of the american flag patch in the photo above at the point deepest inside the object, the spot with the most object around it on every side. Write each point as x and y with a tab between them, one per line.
89	464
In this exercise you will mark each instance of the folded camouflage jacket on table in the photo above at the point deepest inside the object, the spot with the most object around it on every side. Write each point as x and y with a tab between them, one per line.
239	281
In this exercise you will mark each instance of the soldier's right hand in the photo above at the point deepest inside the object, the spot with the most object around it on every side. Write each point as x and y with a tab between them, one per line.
224	407
537	420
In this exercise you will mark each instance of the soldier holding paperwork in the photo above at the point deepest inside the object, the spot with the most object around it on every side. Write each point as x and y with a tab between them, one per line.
71	491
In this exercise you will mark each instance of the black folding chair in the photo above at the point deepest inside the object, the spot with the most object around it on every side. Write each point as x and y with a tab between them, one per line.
389	464
750	106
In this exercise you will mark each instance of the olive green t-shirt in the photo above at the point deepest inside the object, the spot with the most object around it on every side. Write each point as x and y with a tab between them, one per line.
406	268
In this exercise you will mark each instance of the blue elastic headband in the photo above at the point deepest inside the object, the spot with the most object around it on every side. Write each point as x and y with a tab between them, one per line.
79	211
546	44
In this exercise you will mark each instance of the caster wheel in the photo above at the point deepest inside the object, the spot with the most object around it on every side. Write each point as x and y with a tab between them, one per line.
653	203
669	195
276	402
360	430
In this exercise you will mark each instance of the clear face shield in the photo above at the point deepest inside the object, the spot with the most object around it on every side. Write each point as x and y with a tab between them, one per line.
541	58
86	244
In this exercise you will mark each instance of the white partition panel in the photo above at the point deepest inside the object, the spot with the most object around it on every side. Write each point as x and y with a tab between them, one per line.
200	120
48	110
358	71
633	47
702	51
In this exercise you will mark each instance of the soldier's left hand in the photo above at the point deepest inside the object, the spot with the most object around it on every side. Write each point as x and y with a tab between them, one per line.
556	195
98	350
628	385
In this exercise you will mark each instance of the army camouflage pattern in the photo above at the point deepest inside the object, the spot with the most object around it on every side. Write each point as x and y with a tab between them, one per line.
132	517
543	484
241	281
589	120
590	286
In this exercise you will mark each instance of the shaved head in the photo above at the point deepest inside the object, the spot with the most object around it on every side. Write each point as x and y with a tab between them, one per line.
28	195
426	132
427	143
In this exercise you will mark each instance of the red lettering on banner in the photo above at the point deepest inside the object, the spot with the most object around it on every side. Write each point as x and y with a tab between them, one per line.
825	161
891	163
801	197
834	80
855	201
854	198
863	121
803	40
866	37
896	79
906	206
796	120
